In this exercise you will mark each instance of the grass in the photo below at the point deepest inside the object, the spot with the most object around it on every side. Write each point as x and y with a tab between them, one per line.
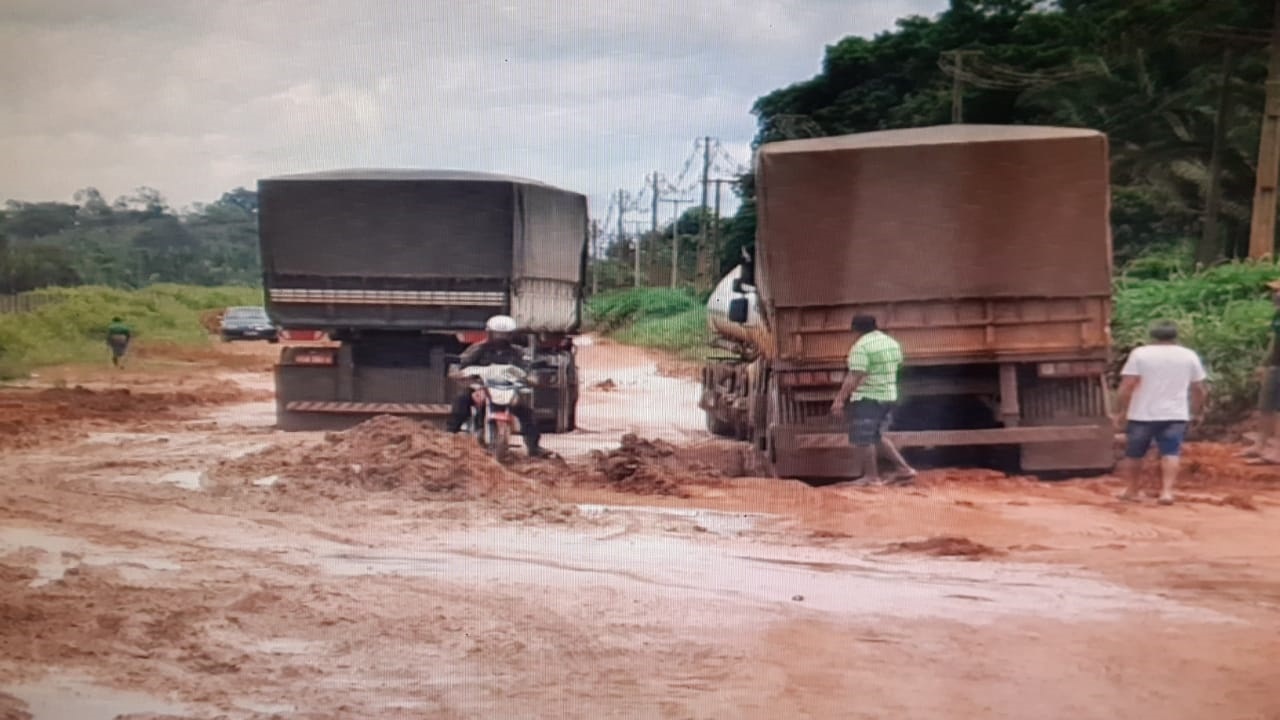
670	320
71	327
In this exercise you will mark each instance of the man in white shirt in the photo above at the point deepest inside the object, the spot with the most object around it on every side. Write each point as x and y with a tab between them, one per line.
1161	391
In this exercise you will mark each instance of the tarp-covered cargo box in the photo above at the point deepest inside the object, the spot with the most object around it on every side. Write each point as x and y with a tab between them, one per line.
410	249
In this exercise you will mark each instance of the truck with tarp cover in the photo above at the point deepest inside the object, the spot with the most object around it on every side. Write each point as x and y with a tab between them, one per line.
400	269
984	250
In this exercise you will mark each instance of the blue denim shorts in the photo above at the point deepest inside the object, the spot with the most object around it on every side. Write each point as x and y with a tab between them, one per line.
1167	435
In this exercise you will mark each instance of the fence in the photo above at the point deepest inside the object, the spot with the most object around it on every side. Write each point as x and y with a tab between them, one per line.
22	302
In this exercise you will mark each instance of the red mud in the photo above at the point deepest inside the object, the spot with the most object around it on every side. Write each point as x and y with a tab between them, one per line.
945	546
383	454
11	708
30	417
650	467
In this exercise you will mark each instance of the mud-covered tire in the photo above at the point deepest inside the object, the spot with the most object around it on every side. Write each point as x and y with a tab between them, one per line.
718	427
499	441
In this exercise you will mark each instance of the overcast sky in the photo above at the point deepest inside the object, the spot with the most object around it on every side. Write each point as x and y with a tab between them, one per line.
195	97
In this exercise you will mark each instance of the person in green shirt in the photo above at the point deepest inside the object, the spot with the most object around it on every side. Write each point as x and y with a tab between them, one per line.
1264	450
118	337
867	398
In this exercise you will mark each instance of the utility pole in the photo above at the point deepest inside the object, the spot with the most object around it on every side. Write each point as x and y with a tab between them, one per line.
703	266
622	235
715	230
653	227
1262	233
957	84
595	257
1210	242
675	239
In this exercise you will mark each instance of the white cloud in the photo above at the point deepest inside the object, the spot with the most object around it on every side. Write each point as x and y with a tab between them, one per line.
195	98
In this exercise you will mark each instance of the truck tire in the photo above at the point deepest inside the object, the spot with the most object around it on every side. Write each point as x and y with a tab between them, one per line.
720	428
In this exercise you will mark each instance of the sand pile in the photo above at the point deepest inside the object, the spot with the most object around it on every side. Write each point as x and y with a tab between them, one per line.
385	453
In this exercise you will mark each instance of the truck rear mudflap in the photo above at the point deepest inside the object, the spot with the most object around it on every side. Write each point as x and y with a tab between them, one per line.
823	452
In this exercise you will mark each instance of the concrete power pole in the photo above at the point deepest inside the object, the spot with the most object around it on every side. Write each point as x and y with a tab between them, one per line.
715	233
704	267
622	234
675	239
1262	233
595	257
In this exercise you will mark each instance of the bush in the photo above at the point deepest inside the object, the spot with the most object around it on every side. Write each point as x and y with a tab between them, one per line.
673	320
684	334
1223	313
71	327
610	311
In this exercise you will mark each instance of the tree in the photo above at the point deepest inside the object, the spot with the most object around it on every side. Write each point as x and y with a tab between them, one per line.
1154	86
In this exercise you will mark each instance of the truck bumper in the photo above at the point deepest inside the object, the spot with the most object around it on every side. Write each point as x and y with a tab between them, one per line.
800	451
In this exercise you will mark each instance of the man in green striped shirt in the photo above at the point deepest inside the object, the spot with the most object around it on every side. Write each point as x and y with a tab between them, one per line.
867	398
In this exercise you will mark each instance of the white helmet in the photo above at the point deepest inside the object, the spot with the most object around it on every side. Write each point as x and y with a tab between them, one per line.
500	324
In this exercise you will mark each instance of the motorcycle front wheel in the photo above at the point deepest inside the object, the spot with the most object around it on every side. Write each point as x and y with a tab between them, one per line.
499	440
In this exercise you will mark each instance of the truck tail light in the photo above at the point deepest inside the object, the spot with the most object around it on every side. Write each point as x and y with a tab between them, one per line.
1071	368
313	357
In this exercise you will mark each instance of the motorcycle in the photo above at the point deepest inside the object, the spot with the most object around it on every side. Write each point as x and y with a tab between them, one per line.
495	389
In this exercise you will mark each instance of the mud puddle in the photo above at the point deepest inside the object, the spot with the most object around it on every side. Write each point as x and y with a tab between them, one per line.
58	554
699	520
71	698
680	569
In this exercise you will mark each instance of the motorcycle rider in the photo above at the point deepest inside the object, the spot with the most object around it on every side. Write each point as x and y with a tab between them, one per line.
496	349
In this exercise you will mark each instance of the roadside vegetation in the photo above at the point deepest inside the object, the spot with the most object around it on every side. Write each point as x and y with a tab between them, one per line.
71	327
661	318
1224	314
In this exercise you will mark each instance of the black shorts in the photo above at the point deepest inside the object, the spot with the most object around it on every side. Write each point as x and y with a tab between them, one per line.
867	420
119	344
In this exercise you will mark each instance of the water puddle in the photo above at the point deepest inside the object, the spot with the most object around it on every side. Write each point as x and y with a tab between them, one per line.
687	572
286	646
251	415
63	698
185	479
715	522
59	554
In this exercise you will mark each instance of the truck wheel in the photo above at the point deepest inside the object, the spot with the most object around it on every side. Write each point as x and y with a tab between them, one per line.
718	427
499	440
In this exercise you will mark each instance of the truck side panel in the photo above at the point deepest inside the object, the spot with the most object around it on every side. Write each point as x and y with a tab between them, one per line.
933	331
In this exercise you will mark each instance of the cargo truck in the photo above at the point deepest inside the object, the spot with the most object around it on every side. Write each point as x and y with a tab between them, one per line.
985	250
400	269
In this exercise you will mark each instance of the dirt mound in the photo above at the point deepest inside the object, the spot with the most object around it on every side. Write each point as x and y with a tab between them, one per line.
650	467
945	546
1211	466
11	708
28	417
385	453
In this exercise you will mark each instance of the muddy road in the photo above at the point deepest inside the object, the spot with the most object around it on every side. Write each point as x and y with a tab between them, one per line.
164	552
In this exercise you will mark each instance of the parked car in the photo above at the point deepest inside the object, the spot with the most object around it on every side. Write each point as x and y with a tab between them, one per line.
248	323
